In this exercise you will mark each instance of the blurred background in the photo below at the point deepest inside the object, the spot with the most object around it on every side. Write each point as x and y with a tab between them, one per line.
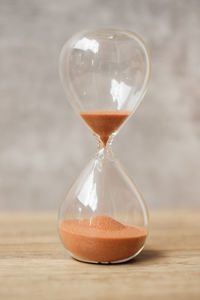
44	145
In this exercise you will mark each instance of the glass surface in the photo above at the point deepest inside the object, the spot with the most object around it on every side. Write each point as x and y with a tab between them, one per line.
103	218
105	70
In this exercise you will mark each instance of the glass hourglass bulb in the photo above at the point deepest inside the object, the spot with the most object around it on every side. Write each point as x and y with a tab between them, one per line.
105	73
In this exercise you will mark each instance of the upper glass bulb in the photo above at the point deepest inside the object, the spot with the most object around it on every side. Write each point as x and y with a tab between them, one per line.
105	69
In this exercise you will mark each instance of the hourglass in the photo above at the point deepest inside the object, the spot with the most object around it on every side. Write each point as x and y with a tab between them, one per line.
103	218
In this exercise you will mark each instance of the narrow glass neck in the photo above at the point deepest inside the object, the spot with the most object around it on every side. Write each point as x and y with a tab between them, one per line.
104	150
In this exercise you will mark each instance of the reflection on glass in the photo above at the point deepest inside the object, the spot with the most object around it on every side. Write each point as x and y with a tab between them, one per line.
119	92
88	193
87	44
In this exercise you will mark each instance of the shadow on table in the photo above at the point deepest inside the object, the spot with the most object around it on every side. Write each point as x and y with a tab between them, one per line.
146	255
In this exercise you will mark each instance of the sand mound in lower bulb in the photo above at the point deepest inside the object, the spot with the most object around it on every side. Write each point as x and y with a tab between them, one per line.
101	239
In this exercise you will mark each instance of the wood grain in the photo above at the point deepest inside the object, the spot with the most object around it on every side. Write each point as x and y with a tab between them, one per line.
34	264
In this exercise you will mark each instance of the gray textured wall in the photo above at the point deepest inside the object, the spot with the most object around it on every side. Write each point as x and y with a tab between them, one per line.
43	144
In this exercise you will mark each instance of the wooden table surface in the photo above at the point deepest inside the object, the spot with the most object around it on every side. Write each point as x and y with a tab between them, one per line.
34	264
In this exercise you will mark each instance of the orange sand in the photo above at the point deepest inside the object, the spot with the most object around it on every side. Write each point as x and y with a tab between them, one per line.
104	122
101	239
